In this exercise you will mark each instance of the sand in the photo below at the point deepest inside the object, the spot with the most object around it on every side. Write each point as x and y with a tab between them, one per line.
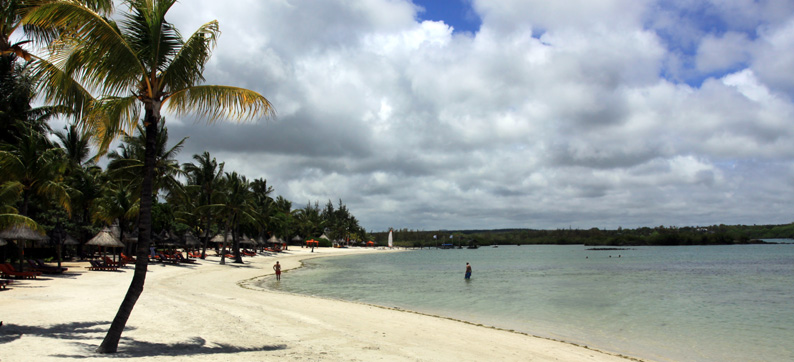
213	312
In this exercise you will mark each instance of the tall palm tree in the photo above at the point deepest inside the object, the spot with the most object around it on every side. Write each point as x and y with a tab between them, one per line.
126	163
206	173
238	208
142	61
76	145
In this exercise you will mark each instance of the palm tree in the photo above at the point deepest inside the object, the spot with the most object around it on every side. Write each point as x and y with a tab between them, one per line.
238	208
126	163
310	222
76	146
140	62
206	174
36	167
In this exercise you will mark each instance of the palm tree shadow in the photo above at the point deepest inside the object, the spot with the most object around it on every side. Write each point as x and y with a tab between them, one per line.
128	348
76	330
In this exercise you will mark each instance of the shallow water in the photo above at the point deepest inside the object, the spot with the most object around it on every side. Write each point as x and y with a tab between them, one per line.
688	303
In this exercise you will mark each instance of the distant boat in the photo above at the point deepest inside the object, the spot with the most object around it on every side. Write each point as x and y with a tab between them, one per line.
391	240
496	246
447	246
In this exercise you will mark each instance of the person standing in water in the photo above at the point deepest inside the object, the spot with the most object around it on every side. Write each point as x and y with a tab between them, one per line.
277	268
468	271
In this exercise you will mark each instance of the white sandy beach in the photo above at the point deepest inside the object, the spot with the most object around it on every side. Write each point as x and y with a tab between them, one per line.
212	312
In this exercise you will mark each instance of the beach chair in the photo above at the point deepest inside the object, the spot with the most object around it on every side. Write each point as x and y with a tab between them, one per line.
4	282
182	259
96	265
110	262
40	266
9	272
166	258
128	259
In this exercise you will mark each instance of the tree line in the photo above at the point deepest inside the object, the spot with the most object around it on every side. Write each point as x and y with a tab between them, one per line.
660	235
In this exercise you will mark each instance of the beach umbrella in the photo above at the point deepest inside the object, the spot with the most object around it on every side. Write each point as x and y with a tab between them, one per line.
246	241
21	232
105	239
272	240
191	240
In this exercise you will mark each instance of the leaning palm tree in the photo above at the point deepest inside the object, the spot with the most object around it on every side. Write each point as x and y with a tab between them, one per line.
139	62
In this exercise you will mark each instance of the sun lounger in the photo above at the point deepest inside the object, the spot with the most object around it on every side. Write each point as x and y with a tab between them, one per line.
9	272
4	282
110	262
39	266
127	259
96	265
166	258
182	259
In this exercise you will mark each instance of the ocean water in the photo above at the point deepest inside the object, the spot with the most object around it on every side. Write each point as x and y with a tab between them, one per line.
682	303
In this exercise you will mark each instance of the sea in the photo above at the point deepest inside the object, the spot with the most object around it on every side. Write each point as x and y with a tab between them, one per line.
661	303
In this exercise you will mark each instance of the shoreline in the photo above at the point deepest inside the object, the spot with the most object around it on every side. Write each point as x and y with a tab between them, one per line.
209	311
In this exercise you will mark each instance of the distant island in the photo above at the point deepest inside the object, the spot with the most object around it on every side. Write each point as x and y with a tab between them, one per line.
660	235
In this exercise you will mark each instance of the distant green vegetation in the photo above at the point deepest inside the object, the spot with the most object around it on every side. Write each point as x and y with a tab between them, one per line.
660	235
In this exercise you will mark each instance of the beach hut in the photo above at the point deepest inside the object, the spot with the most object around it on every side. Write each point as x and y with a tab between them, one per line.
105	239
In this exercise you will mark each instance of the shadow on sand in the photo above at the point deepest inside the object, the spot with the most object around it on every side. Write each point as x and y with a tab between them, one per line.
128	347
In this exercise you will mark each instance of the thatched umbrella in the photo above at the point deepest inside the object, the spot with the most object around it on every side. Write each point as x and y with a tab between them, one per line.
247	241
105	239
21	232
191	240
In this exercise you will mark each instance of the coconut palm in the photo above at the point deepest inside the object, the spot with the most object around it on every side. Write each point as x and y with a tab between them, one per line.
76	145
35	166
126	163
238	208
140	62
205	174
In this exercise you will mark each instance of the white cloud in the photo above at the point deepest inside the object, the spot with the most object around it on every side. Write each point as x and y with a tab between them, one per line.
553	114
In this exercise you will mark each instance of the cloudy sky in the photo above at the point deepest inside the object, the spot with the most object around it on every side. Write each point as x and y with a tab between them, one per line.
464	114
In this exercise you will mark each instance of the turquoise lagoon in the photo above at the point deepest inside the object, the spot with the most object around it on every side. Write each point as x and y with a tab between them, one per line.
680	303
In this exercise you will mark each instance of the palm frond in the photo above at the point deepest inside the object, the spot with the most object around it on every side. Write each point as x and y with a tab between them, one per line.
187	67
104	59
155	40
213	102
59	88
110	118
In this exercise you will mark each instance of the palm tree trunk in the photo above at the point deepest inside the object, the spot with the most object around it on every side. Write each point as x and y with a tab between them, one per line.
206	239
238	258
111	342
